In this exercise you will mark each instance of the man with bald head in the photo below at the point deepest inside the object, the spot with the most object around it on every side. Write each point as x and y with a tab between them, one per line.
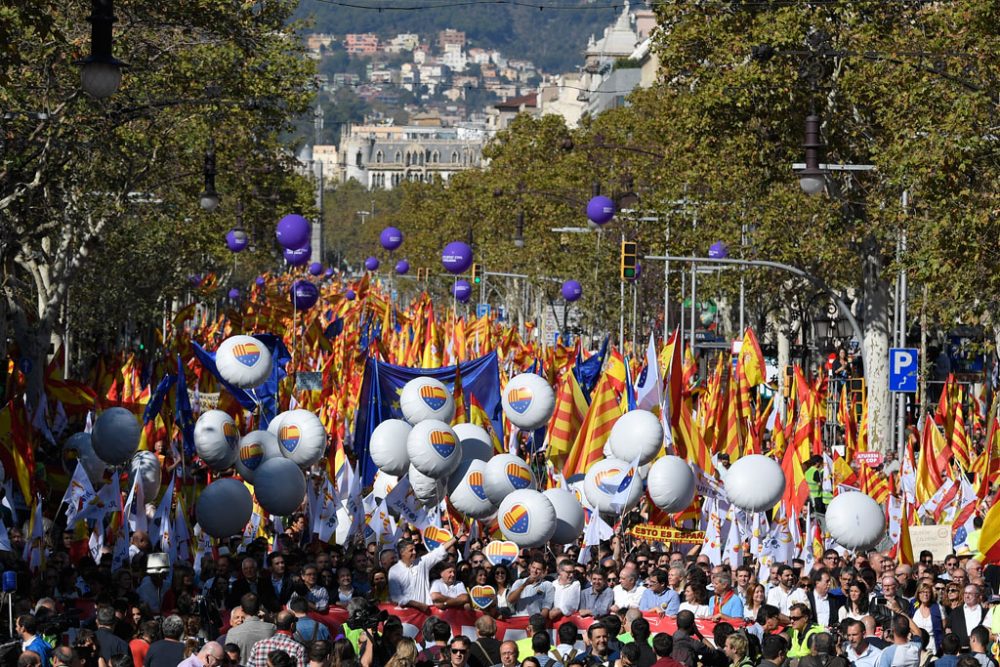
210	655
282	640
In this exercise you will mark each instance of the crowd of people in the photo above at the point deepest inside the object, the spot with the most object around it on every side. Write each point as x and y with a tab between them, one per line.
284	605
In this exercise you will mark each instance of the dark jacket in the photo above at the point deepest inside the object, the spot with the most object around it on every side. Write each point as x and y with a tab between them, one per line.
485	651
835	601
956	621
264	591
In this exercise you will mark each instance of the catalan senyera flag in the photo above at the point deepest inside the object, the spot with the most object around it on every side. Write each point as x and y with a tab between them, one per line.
905	551
960	440
588	448
929	476
570	411
16	451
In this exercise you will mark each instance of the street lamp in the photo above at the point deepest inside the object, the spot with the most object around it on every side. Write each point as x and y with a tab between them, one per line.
812	179
101	72
519	230
210	198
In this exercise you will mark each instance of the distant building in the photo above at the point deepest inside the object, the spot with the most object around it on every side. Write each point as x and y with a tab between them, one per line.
383	156
451	37
601	85
344	79
404	41
645	21
361	44
454	58
501	115
317	41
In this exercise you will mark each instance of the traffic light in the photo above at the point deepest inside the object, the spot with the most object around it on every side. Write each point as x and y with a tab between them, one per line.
629	260
422	274
477	276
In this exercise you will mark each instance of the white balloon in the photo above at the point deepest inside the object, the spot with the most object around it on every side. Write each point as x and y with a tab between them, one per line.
636	433
301	437
427	489
601	484
755	483
217	439
505	474
528	401
388	446
279	485
227	494
115	436
146	467
466	490
569	515
255	448
855	520
83	447
384	484
426	398
433	448
476	442
527	518
671	484
275	424
243	361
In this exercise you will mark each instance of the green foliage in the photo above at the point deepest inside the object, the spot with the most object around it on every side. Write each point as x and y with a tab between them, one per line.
103	194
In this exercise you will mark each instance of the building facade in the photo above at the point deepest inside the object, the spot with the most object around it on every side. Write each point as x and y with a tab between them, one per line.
383	156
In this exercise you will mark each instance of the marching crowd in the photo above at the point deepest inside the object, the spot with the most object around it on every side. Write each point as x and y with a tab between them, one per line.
272	607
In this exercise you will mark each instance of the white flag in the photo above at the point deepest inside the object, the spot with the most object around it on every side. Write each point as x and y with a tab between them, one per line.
79	490
648	389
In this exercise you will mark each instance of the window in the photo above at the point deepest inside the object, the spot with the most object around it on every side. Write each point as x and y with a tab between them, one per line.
357	160
399	157
454	157
378	157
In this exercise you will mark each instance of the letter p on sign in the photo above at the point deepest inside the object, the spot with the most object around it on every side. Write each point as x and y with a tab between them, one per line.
903	369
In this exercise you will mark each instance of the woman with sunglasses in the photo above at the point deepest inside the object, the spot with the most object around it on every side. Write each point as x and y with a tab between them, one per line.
928	616
952	600
857	602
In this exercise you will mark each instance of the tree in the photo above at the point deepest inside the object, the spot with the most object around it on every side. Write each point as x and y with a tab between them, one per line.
89	176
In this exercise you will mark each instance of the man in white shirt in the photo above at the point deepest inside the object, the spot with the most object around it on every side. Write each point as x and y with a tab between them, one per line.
447	592
627	592
785	594
409	584
566	596
859	652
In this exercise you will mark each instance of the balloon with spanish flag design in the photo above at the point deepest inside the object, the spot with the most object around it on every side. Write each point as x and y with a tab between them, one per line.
243	361
216	439
466	490
433	448
426	398
527	518
255	448
505	474
528	401
301	437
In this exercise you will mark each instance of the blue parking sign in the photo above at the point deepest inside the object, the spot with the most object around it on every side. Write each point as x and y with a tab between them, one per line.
903	365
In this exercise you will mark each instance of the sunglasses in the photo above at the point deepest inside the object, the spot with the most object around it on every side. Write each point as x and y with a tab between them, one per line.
795	618
458	651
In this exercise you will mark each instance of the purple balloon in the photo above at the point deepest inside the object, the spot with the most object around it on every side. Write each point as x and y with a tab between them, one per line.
329	272
298	256
391	238
456	257
572	290
304	294
237	239
349	295
315	268
293	231
371	263
462	290
402	267
234	293
600	210
638	272
718	250
195	279
261	281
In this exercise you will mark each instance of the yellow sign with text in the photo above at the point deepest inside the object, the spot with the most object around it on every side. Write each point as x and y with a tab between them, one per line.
653	533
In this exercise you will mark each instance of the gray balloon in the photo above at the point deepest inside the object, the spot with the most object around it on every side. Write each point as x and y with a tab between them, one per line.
224	508
116	436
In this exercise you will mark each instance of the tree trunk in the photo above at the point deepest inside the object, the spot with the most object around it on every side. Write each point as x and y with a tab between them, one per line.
876	345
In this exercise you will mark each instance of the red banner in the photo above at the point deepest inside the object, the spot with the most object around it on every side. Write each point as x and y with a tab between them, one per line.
463	622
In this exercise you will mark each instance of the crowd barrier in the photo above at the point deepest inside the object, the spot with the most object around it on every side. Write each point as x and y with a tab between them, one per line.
515	627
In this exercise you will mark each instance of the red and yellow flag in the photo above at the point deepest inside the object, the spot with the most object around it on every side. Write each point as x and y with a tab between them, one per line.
588	448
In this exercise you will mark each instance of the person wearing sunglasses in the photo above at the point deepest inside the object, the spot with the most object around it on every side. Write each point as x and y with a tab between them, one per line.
800	628
459	648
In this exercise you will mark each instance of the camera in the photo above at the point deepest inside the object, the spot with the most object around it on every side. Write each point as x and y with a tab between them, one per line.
368	617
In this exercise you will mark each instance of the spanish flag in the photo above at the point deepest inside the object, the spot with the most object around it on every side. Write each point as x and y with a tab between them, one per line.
989	539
